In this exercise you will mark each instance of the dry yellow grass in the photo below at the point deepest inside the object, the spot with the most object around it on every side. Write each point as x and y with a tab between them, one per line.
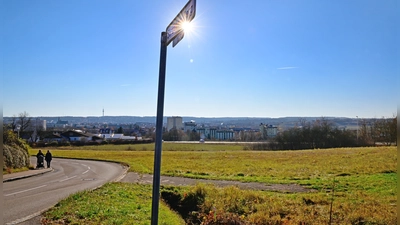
365	179
277	166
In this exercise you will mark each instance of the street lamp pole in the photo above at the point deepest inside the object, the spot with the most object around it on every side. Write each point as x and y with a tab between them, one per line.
159	125
174	33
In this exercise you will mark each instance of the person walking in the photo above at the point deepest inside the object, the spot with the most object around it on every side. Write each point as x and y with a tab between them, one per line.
40	157
40	153
48	158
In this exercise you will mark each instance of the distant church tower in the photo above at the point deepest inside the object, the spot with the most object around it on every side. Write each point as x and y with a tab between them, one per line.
103	112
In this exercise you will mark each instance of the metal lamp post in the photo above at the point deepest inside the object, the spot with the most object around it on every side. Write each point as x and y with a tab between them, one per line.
174	33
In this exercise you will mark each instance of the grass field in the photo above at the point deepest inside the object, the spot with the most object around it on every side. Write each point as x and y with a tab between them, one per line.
364	179
112	204
15	170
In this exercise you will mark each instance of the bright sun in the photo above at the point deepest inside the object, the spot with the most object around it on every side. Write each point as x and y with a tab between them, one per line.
186	26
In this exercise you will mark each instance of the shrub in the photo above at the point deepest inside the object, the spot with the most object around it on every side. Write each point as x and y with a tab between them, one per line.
65	143
78	143
186	204
39	144
15	157
92	143
53	144
15	151
222	218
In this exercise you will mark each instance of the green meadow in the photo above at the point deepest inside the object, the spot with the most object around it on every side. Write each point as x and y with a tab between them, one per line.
349	185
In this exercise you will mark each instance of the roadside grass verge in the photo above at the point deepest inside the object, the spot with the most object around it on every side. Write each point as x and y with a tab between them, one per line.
113	203
123	203
231	205
15	170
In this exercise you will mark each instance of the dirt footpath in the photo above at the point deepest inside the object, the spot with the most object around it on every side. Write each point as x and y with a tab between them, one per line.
181	181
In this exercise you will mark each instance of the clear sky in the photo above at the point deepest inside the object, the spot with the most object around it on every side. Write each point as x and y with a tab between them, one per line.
258	58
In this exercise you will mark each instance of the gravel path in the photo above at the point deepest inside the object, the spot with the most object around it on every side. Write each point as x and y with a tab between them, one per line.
181	181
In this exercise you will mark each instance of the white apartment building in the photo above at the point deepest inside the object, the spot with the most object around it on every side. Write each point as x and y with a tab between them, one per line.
225	135
174	122
189	126
209	133
268	130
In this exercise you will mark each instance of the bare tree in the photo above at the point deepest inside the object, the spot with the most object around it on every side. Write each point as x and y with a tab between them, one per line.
13	124
37	134
320	134
385	131
390	129
24	121
393	130
365	135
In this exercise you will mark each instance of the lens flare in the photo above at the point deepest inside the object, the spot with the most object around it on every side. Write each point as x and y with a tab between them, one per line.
186	26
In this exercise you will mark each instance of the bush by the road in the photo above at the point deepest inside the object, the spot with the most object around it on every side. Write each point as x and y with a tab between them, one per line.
15	152
15	157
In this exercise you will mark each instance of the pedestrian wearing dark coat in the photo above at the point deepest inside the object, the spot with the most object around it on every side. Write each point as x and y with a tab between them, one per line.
40	153
40	156
48	158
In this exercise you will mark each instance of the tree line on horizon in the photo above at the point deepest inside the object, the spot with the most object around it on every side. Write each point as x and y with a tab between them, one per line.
323	134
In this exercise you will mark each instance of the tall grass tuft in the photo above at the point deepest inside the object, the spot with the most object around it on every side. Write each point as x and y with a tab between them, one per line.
232	205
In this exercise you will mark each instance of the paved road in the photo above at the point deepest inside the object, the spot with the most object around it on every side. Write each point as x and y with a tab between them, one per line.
26	198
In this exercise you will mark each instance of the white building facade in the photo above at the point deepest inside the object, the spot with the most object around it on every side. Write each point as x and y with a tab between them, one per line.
268	131
189	126
174	122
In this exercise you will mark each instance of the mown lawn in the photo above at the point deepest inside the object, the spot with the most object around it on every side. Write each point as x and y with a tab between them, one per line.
364	179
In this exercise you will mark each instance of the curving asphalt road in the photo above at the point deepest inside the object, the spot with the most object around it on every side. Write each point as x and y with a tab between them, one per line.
27	198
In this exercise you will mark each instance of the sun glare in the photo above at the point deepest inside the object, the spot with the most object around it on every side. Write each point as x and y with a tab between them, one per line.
186	26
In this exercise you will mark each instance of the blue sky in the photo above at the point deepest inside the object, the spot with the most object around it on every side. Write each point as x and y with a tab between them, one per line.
259	58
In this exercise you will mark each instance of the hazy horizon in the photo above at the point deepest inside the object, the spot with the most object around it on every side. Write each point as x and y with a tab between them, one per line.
211	117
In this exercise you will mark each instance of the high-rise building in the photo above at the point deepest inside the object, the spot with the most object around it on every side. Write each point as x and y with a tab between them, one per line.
174	122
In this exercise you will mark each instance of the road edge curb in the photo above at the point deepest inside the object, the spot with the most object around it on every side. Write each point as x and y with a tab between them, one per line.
25	176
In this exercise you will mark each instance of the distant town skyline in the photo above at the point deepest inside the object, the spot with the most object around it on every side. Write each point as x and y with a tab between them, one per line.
266	59
205	117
